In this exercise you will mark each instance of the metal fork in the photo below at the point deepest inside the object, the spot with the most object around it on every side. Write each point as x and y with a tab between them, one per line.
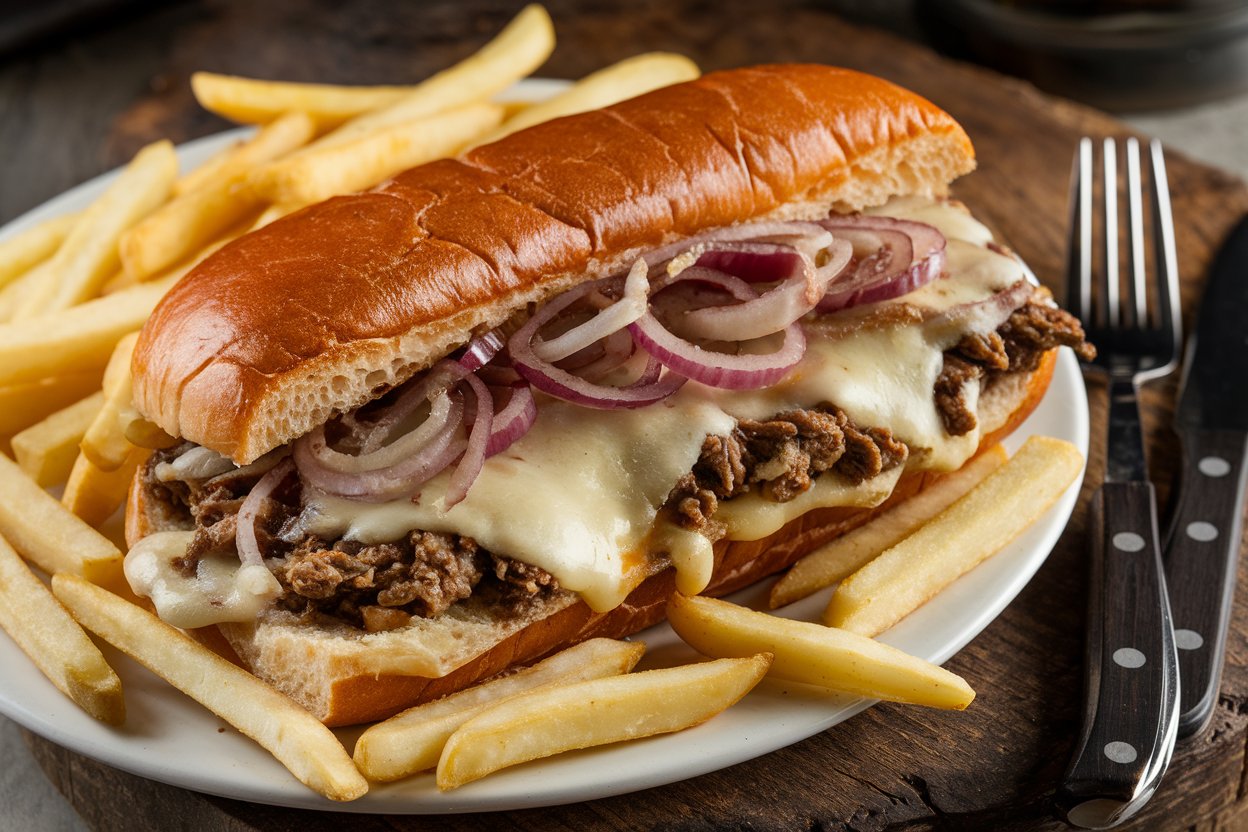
1130	664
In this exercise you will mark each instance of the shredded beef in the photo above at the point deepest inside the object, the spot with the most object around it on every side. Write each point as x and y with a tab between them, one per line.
957	416
779	457
1016	346
376	587
1037	328
422	574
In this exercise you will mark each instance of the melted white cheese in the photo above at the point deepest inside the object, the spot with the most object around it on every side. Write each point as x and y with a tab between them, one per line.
221	589
578	495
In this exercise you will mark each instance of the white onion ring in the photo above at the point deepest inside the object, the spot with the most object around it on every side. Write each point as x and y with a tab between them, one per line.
245	524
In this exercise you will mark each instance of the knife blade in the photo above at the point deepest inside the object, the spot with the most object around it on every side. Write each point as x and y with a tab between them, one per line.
1203	538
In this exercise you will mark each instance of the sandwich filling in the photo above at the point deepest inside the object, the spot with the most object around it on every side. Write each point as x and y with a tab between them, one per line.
591	501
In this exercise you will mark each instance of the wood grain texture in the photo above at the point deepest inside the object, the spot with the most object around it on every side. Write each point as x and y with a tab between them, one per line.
992	767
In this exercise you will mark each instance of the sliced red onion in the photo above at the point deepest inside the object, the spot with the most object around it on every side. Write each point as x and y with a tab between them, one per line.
197	463
894	257
800	288
716	369
481	349
444	412
557	382
758	231
469	465
630	307
513	420
988	314
597	360
395	480
245	526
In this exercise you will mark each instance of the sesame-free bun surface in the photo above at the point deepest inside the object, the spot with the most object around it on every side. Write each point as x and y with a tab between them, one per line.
317	312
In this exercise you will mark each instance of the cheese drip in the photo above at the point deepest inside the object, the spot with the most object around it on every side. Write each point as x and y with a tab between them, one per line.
578	495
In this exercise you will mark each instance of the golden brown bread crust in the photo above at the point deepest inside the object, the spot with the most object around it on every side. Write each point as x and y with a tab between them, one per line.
738	564
315	312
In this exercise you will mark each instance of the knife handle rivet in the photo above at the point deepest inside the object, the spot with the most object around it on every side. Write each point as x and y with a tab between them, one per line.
1214	466
1188	639
1128	542
1129	658
1202	531
1120	752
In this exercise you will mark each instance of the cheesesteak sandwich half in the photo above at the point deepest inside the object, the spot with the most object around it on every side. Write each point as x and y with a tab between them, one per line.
513	400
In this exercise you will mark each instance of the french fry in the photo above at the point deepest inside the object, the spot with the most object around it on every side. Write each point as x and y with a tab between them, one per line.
22	252
306	747
45	533
561	718
77	339
811	653
54	641
975	527
366	161
105	444
522	46
46	450
846	554
277	138
14	295
26	403
195	218
253	101
627	79
93	493
413	740
89	254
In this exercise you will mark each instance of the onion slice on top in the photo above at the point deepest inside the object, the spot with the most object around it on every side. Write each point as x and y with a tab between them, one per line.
892	258
717	369
630	307
513	420
558	382
245	526
800	287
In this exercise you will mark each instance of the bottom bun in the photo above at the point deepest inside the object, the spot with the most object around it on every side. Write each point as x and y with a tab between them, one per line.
344	676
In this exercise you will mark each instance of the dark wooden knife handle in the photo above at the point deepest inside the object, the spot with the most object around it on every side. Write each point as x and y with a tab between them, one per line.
1129	660
1201	553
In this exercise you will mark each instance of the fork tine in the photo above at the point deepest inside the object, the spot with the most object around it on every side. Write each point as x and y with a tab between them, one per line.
1135	253
1111	311
1167	261
1079	243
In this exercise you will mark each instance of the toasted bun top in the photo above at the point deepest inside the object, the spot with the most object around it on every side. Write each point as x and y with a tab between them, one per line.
319	311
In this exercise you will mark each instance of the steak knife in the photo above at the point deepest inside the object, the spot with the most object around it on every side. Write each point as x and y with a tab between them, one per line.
1202	544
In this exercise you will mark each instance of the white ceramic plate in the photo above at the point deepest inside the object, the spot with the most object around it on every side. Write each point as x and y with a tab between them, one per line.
170	738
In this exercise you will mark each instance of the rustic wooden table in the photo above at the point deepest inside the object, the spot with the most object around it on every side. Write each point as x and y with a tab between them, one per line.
82	105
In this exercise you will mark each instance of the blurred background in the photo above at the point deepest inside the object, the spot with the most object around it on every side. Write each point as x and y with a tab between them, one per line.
105	76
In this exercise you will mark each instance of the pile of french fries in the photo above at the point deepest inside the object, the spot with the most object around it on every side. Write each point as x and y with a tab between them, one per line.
75	290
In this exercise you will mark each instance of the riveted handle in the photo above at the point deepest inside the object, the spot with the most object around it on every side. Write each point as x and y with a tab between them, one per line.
1130	668
1201	553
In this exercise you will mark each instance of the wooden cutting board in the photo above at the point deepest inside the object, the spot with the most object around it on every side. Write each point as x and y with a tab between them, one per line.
992	767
